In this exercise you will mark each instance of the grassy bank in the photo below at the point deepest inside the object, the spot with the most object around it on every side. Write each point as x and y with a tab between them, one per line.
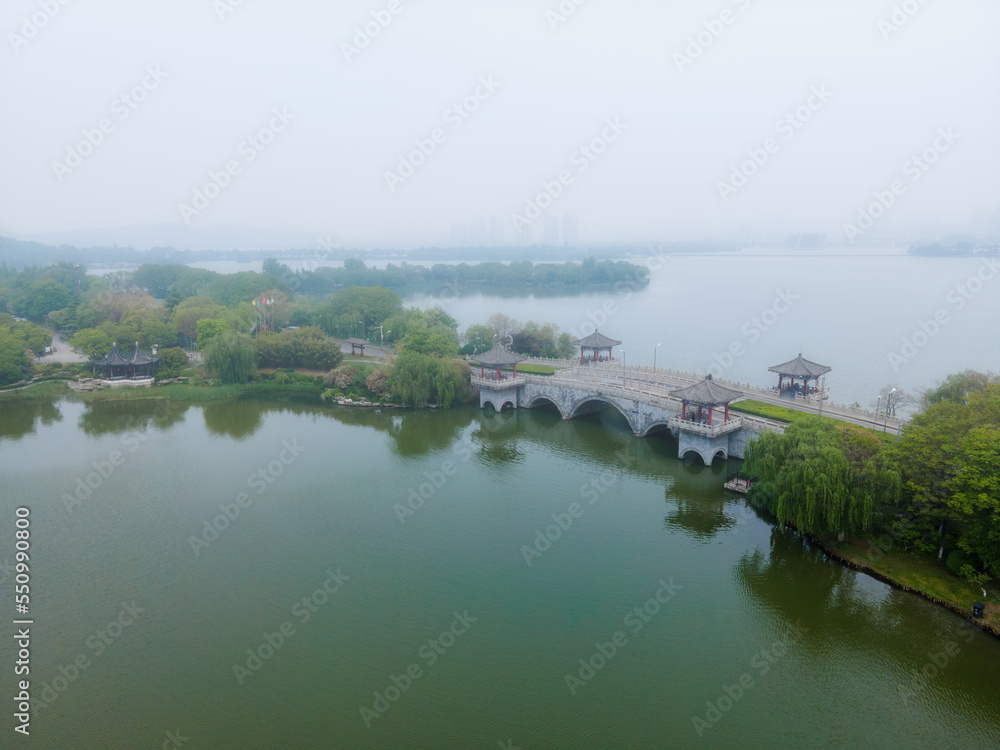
920	575
769	411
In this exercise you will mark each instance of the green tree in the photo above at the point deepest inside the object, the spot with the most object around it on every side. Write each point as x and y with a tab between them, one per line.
356	310
305	347
438	341
232	356
821	477
976	500
209	328
91	342
45	296
172	361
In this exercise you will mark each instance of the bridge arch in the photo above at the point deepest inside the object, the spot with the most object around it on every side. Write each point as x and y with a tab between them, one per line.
574	408
706	459
539	400
660	425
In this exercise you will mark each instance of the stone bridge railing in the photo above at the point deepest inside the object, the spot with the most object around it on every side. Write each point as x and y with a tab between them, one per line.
719	428
481	382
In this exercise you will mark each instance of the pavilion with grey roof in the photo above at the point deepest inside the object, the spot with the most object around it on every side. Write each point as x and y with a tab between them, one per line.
595	342
117	366
799	368
707	393
497	357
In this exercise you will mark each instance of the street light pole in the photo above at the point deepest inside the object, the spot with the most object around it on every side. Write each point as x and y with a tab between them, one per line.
878	404
623	367
888	402
654	354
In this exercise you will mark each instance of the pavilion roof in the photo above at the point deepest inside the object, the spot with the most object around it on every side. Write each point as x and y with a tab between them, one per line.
800	368
114	358
497	356
707	392
141	358
117	359
596	341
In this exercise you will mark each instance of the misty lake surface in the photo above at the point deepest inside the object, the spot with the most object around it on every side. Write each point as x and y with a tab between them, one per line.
339	594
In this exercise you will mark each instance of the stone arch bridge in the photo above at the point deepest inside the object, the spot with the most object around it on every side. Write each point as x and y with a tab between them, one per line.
647	407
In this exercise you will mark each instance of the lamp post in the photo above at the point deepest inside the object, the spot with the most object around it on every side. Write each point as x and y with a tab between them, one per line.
654	354
623	367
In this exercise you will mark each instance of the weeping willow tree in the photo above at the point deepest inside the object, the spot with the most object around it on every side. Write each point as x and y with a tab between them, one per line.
232	356
822	477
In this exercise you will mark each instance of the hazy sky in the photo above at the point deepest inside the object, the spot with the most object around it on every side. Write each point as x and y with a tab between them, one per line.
672	113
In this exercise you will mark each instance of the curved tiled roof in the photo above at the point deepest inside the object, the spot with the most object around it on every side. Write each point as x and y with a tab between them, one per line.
596	341
497	357
800	368
706	392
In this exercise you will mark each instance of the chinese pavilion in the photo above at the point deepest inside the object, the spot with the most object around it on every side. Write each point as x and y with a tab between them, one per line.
116	366
799	368
596	343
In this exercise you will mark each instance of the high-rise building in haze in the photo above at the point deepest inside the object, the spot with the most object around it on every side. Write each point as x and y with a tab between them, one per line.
550	235
496	231
571	230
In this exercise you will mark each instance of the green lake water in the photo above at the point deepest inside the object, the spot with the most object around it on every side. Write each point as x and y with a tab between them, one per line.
745	636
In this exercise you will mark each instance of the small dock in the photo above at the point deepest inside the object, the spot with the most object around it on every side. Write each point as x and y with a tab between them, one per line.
739	483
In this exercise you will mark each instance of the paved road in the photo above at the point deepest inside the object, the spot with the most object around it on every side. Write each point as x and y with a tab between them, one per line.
62	353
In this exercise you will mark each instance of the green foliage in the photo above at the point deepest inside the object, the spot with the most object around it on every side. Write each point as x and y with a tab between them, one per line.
536	369
957	387
769	411
417	379
19	342
956	560
209	328
232	356
172	361
305	347
354	311
91	342
437	341
188	312
821	478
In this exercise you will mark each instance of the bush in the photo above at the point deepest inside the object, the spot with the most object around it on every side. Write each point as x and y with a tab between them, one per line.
306	347
377	382
956	560
281	378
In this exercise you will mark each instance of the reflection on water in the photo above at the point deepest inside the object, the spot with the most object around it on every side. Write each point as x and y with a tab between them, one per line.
20	417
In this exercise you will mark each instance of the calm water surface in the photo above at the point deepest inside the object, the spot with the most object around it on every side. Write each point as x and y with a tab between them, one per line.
824	657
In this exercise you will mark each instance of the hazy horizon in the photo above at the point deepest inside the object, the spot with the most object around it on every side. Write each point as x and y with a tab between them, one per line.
452	124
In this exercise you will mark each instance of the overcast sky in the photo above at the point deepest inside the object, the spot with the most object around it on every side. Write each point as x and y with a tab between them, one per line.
672	114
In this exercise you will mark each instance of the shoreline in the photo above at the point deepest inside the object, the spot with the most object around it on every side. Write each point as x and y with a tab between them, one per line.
964	613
